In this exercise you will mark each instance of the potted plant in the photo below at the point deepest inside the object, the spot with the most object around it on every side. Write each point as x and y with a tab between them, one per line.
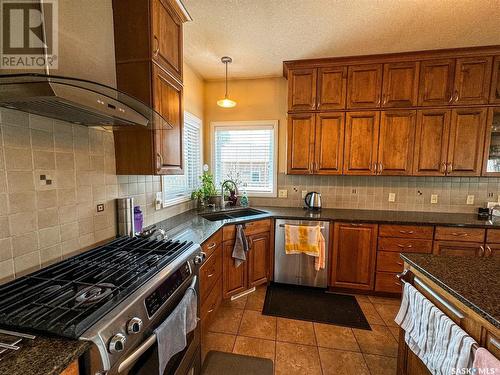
206	193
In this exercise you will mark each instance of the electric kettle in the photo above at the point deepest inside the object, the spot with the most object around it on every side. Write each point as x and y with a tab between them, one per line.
313	200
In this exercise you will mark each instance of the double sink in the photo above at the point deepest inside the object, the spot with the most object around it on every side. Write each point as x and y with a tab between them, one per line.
232	214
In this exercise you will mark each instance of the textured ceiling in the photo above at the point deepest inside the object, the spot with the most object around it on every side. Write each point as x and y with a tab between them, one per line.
260	34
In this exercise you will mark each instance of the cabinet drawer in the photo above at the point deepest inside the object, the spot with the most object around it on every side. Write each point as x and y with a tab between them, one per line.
210	271
493	236
389	262
209	246
460	234
213	301
403	245
387	282
252	227
406	231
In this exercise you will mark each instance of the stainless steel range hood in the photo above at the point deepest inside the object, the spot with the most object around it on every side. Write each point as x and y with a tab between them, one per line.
81	89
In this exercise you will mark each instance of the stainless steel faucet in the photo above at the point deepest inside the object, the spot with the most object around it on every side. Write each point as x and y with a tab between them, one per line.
223	202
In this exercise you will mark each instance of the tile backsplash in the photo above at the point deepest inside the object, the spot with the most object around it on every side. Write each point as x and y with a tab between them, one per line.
372	192
42	222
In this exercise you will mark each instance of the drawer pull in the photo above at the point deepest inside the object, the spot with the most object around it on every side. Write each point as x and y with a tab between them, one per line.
404	246
495	342
398	284
210	311
488	251
211	246
400	263
460	234
210	275
481	251
406	232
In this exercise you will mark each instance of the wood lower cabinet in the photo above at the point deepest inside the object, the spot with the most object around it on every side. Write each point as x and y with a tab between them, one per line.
467	249
364	89
396	141
300	146
436	82
235	279
472	80
332	88
72	369
302	89
258	259
400	84
329	143
354	252
361	142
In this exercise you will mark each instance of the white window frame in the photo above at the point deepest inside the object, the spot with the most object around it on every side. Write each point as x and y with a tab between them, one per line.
188	117
249	125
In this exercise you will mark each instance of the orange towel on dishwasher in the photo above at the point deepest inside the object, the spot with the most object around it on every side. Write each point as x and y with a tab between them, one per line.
306	239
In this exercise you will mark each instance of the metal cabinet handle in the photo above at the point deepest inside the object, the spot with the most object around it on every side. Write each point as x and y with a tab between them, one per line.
160	159
381	168
495	342
455	96
404	246
440	299
481	251
210	275
406	232
211	246
442	168
400	263
450	167
156	47
460	234
488	251
384	100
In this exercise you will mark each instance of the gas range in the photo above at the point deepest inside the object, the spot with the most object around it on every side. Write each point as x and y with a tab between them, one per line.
114	296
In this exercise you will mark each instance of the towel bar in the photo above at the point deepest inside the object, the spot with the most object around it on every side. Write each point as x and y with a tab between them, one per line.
283	225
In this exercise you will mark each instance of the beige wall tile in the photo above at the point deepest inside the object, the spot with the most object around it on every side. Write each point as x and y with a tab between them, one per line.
18	159
22	202
65	161
24	243
66	196
70	247
69	231
4	206
50	255
4	227
85	226
2	162
49	237
3	182
65	179
48	218
42	140
67	214
5	249
22	222
63	141
46	199
6	270
20	181
44	160
27	263
14	136
41	123
15	118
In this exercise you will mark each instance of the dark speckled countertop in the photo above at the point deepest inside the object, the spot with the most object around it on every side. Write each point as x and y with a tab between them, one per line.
473	281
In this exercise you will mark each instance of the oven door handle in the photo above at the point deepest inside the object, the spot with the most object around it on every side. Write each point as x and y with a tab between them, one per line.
150	341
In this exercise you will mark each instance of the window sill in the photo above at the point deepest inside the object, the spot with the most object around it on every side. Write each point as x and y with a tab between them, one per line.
176	201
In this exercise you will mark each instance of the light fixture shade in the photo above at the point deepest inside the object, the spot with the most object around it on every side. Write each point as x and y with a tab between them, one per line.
226	103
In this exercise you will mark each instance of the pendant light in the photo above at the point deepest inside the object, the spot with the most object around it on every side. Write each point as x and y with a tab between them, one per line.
226	102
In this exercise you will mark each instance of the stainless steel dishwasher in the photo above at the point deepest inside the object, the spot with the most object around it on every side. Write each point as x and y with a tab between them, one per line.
298	269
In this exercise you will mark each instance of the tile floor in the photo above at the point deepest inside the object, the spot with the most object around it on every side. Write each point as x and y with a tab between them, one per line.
306	348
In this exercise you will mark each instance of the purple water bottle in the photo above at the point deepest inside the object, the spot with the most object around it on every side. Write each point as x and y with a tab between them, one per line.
138	219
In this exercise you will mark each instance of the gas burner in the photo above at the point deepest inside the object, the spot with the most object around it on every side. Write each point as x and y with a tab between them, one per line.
94	293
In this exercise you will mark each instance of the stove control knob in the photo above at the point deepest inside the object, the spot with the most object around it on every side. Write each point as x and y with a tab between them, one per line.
117	343
134	326
199	259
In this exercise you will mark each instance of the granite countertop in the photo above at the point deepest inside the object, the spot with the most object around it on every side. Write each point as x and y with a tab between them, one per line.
473	281
43	356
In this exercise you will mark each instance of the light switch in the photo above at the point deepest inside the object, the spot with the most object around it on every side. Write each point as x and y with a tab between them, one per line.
283	193
304	193
392	197
434	198
470	199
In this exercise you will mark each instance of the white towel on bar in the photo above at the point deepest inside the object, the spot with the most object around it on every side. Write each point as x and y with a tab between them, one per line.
440	343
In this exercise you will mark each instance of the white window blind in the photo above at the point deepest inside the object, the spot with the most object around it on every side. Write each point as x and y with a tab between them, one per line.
178	189
246	151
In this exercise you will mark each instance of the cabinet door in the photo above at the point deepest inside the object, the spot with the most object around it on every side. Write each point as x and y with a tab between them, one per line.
463	249
465	150
353	261
234	279
436	82
361	143
495	82
258	259
332	88
167	38
395	147
302	90
491	159
168	141
329	143
400	84
472	80
364	86
431	142
300	143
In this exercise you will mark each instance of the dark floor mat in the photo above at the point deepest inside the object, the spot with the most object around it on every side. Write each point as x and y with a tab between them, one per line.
313	304
220	363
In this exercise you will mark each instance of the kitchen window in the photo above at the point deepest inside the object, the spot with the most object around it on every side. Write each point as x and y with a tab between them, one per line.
178	188
246	151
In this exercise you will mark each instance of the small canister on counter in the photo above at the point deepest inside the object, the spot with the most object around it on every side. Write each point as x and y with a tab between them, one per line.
125	213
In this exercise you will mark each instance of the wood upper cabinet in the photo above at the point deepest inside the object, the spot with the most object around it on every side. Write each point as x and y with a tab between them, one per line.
361	142
364	86
332	88
300	146
472	80
353	260
302	89
396	140
400	84
234	279
495	82
258	258
466	142
431	142
436	82
167	38
168	142
491	159
329	143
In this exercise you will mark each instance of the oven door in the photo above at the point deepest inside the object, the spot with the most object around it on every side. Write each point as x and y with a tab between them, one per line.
144	359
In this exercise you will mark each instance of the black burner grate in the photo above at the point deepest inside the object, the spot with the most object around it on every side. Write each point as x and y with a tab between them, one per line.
68	297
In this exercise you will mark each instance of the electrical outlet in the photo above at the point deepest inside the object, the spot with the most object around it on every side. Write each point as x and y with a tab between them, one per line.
100	207
392	197
304	193
470	199
283	193
434	198
354	191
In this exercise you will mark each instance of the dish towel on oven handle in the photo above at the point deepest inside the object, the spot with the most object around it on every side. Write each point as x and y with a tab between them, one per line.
440	343
171	334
